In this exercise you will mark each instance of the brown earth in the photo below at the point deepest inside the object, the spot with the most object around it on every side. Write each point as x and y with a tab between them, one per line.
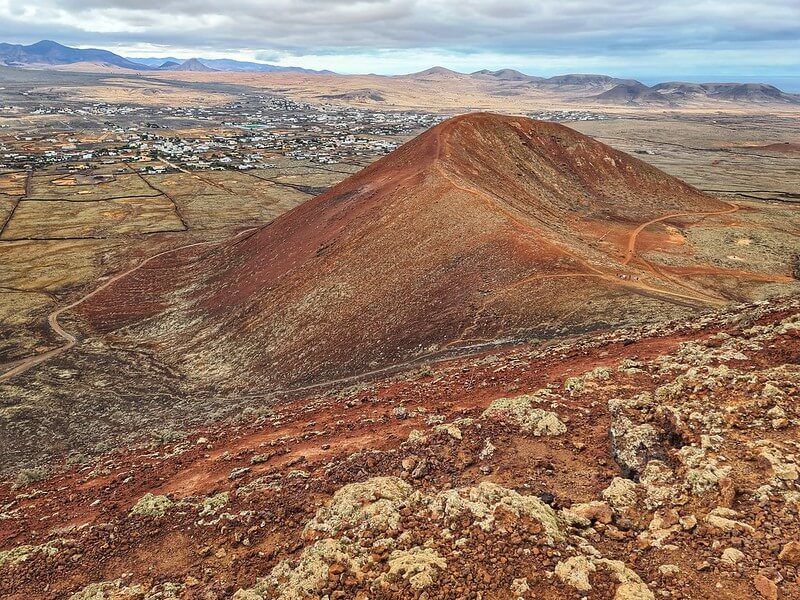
515	229
651	462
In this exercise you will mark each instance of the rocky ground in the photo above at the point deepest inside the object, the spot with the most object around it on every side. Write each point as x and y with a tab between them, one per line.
658	462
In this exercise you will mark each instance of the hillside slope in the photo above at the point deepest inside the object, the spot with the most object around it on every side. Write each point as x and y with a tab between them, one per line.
645	463
484	228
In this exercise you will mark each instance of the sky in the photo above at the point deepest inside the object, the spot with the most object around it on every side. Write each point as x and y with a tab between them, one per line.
647	39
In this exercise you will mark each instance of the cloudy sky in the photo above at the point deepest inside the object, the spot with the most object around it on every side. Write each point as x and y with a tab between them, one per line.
642	38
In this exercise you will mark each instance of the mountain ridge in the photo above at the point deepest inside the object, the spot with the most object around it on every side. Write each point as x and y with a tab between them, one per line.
47	52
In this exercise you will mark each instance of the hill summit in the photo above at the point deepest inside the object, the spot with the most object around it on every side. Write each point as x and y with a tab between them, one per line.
483	229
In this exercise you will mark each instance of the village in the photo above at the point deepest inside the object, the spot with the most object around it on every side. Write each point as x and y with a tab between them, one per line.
241	135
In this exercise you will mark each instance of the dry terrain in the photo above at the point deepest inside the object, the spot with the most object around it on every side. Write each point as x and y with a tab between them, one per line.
439	89
651	462
507	360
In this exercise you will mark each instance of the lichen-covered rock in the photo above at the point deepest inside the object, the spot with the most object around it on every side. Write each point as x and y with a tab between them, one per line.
304	578
633	445
450	429
483	500
212	504
620	494
23	553
373	504
633	591
519	411
703	473
415	436
109	590
419	566
151	505
575	572
520	587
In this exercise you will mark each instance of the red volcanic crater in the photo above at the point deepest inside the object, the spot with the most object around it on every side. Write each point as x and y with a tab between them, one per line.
483	228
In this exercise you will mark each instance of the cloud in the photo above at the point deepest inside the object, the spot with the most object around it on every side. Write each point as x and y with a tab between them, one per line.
637	33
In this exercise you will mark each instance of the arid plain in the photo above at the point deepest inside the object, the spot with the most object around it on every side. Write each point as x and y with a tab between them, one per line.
591	391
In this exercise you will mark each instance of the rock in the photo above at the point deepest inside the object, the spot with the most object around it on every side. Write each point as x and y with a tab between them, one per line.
732	556
633	591
724	519
776	412
308	576
594	511
420	470
573	385
238	472
575	572
620	494
400	412
703	473
766	587
482	501
450	429
115	589
212	504
520	587
669	570
409	462
415	436
790	553
782	467
419	566
373	504
151	505
487	451
633	445
519	411
23	553
772	392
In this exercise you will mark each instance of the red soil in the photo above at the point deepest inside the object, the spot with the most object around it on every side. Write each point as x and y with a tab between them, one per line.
481	228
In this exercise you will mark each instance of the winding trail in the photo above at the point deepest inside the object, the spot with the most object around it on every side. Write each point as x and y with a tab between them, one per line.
630	251
70	340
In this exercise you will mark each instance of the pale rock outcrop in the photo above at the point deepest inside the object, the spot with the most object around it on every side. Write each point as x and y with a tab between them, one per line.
519	411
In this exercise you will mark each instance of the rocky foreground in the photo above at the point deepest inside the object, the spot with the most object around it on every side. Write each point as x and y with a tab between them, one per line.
648	463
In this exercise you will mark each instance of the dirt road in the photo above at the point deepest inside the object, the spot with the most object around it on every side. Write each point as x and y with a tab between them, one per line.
70	340
630	251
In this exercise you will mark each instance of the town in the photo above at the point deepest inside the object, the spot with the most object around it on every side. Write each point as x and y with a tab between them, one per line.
245	134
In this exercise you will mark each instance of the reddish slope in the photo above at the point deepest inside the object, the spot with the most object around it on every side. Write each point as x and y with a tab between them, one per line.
479	229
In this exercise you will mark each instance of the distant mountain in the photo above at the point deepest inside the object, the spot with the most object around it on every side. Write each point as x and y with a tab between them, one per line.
677	92
751	92
227	64
49	53
582	80
573	82
506	75
633	92
193	64
437	73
